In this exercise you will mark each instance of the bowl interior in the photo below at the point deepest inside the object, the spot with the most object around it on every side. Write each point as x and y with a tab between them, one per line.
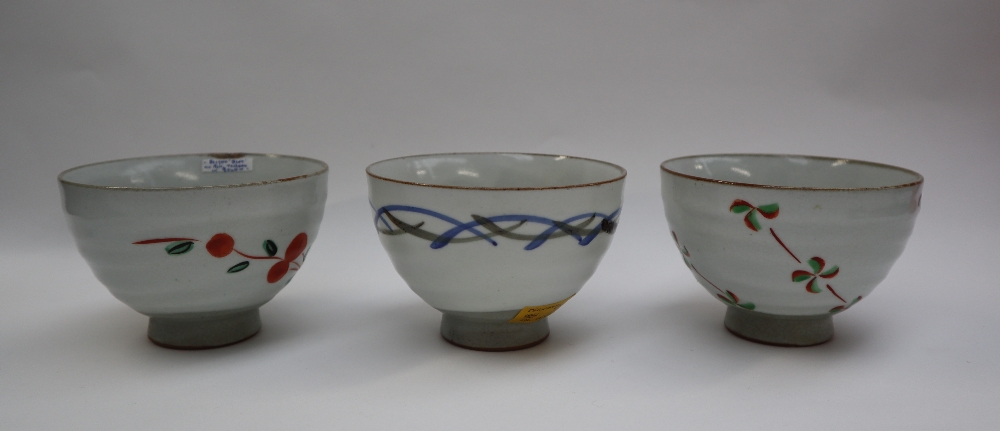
189	171
792	171
496	170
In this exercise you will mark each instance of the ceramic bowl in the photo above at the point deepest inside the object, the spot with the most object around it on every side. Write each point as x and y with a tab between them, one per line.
788	241
495	241
196	242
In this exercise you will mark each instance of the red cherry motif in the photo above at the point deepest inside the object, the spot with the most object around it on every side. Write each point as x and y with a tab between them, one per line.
292	252
221	245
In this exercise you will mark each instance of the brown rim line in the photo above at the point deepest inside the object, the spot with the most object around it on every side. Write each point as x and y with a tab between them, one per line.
920	178
321	171
439	186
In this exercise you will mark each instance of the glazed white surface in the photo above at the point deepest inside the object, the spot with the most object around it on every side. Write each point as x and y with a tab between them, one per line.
479	276
106	224
187	171
496	170
862	232
791	171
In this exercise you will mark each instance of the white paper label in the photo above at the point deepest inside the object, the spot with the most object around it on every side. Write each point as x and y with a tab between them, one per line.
227	165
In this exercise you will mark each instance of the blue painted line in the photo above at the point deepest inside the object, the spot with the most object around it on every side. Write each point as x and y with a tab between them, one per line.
472	226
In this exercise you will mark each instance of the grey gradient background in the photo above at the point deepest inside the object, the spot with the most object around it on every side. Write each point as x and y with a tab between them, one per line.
348	346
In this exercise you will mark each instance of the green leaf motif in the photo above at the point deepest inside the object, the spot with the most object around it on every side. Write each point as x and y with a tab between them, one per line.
831	270
179	247
769	209
801	278
740	209
753	220
238	267
815	265
747	305
270	248
813	286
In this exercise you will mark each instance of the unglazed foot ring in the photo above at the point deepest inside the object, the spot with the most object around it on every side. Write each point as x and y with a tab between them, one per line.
492	331
194	331
776	330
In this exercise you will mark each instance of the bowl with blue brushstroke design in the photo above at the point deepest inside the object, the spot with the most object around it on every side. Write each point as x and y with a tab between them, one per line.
495	241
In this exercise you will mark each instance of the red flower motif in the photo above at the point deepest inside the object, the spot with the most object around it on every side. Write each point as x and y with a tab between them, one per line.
817	265
812	286
741	206
292	252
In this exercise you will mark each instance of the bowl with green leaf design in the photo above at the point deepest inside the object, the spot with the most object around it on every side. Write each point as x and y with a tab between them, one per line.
788	241
196	242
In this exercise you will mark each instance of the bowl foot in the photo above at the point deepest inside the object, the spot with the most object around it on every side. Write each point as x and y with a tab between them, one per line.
790	331
194	331
492	331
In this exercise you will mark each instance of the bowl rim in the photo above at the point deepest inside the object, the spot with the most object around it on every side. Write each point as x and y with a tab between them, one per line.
919	180
441	186
323	169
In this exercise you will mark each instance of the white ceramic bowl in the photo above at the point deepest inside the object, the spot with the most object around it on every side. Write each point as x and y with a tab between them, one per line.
496	241
197	242
787	241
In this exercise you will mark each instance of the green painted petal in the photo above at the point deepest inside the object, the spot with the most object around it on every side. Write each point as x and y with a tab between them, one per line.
802	278
753	219
768	208
814	265
238	267
179	247
748	305
739	209
831	270
813	286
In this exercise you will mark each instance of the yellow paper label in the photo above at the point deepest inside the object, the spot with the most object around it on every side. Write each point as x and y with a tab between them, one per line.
531	314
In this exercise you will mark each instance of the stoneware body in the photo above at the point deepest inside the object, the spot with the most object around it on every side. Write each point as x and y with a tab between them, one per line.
196	242
496	241
788	241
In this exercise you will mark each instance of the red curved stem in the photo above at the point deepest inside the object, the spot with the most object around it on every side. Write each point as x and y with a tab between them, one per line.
709	281
256	257
783	245
834	292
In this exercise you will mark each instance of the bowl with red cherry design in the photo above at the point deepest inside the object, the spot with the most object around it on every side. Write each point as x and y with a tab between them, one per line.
196	242
785	241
